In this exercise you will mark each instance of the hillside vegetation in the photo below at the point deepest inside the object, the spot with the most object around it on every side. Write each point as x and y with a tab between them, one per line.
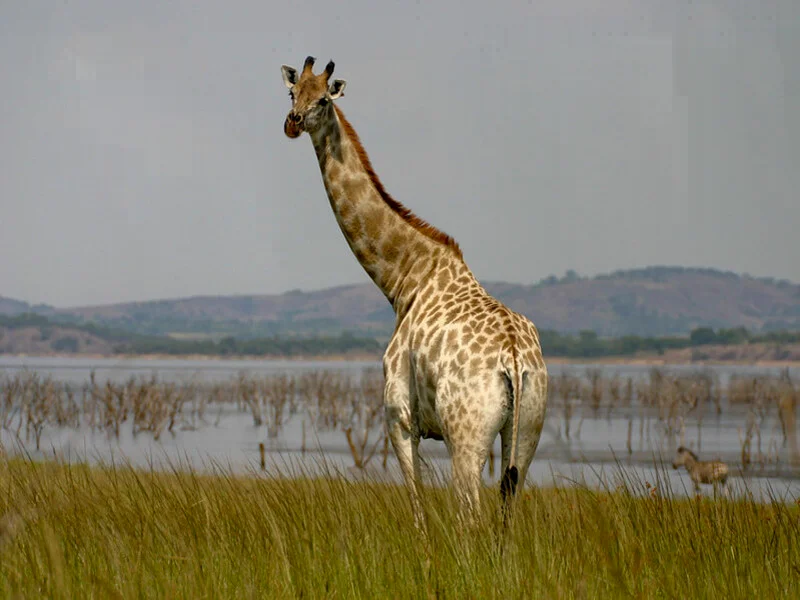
660	310
657	301
37	335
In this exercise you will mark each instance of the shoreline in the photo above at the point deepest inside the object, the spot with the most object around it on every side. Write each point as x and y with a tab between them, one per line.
660	362
655	361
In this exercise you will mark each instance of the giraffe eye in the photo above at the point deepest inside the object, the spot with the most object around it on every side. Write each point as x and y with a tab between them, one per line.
323	101
291	95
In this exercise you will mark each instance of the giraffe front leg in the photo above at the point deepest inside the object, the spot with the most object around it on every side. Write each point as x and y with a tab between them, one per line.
406	448
405	440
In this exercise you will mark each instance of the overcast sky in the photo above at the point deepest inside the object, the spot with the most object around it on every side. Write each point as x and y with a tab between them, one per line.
142	154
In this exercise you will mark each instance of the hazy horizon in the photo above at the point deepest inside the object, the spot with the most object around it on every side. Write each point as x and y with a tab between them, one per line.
312	290
142	153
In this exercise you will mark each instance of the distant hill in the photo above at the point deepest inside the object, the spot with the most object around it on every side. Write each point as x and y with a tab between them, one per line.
658	301
358	308
11	307
41	340
654	301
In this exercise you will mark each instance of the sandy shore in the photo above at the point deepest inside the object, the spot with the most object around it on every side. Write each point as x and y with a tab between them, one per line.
203	357
656	361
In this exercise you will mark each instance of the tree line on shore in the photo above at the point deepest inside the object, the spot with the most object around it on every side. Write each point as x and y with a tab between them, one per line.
586	344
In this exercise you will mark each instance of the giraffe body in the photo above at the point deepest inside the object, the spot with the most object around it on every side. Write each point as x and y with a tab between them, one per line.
450	369
460	367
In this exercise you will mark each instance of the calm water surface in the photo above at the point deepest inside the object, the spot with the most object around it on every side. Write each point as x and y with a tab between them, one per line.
595	454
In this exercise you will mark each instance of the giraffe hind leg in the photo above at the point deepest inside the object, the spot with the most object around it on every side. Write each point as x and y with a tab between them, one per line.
467	468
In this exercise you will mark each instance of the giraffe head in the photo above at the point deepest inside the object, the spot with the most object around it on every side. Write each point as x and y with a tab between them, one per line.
311	96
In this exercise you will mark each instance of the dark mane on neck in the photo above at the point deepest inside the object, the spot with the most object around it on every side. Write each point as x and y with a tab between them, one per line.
689	452
409	217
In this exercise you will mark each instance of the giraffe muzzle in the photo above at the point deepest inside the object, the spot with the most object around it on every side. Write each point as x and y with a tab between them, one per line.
293	126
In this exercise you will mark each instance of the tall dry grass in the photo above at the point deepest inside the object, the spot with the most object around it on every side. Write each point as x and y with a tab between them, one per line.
115	532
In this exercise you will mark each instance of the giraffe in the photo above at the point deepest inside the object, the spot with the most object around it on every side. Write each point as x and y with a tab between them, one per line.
460	366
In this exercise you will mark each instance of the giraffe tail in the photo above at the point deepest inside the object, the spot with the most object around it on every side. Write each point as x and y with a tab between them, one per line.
514	373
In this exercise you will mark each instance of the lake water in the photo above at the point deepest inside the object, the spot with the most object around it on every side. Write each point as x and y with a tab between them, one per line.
596	453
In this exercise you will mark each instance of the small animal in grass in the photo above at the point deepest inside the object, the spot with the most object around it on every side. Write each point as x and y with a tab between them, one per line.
712	472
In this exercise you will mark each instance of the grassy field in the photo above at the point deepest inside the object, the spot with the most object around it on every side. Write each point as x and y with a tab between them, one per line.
78	531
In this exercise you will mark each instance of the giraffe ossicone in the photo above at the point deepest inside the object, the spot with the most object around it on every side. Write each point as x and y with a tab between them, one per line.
461	366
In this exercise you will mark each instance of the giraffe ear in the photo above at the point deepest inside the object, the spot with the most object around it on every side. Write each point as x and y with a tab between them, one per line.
289	75
336	89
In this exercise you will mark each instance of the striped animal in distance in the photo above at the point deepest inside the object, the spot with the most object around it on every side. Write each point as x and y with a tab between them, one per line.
711	472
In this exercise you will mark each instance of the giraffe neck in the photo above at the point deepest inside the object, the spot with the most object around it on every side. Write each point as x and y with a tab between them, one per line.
397	249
